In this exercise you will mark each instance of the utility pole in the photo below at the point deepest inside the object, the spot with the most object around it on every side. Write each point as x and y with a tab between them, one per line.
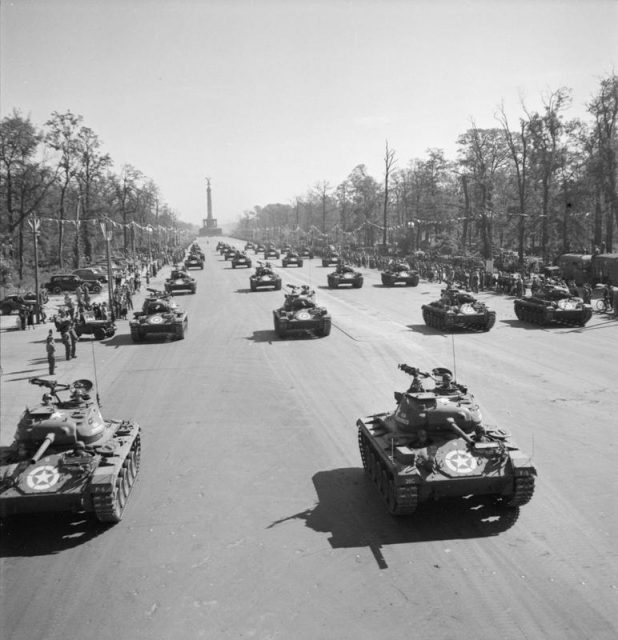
107	234
34	224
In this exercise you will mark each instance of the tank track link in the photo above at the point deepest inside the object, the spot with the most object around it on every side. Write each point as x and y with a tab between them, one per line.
109	500
438	321
534	315
400	500
524	490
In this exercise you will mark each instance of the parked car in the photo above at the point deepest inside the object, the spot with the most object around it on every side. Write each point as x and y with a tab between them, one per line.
69	282
90	273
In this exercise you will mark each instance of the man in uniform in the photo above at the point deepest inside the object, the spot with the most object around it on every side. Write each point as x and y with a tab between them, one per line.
50	347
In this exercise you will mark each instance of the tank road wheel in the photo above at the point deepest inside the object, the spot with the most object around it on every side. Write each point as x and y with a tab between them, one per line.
391	497
324	330
362	447
518	312
109	500
524	490
491	320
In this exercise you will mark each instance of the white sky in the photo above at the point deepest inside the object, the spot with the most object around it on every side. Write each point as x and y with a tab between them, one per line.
268	98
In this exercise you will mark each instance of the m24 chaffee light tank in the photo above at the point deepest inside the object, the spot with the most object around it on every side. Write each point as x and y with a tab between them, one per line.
66	457
434	445
399	273
159	316
458	309
301	313
180	280
553	305
263	277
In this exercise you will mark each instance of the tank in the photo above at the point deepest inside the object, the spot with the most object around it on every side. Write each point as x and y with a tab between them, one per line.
194	261
291	258
301	313
180	280
330	258
553	305
345	275
458	309
435	445
399	273
264	277
241	259
66	457
159	316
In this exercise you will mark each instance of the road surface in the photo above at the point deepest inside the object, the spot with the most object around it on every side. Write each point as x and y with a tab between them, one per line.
252	517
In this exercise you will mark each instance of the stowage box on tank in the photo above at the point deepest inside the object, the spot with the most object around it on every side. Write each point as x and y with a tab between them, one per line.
66	457
434	445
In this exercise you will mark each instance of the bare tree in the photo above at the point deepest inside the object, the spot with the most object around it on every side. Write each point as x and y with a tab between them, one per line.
389	161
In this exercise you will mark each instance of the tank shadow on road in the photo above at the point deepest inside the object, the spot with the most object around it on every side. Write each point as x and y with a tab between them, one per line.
350	509
47	533
425	330
269	335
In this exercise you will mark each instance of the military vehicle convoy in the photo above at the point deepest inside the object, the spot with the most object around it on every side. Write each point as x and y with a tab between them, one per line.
180	280
159	317
345	275
301	313
264	277
66	457
553	305
399	273
458	309
435	445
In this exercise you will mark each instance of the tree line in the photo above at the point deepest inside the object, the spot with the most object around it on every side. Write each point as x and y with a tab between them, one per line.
59	176
541	186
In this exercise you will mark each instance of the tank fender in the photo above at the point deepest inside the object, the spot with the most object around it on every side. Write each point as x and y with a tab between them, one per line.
522	463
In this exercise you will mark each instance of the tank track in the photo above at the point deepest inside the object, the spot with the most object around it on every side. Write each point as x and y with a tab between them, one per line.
400	500
524	490
535	315
109	500
438	321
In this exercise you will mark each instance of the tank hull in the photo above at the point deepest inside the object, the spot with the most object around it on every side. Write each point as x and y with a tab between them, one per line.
439	318
538	312
447	467
406	278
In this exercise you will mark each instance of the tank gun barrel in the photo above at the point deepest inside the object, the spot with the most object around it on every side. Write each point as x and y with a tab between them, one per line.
455	427
49	438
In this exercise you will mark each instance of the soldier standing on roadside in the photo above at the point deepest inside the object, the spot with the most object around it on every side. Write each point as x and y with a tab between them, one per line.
73	338
50	347
66	341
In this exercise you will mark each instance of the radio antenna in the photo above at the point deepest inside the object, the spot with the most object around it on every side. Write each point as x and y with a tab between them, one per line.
94	366
454	359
